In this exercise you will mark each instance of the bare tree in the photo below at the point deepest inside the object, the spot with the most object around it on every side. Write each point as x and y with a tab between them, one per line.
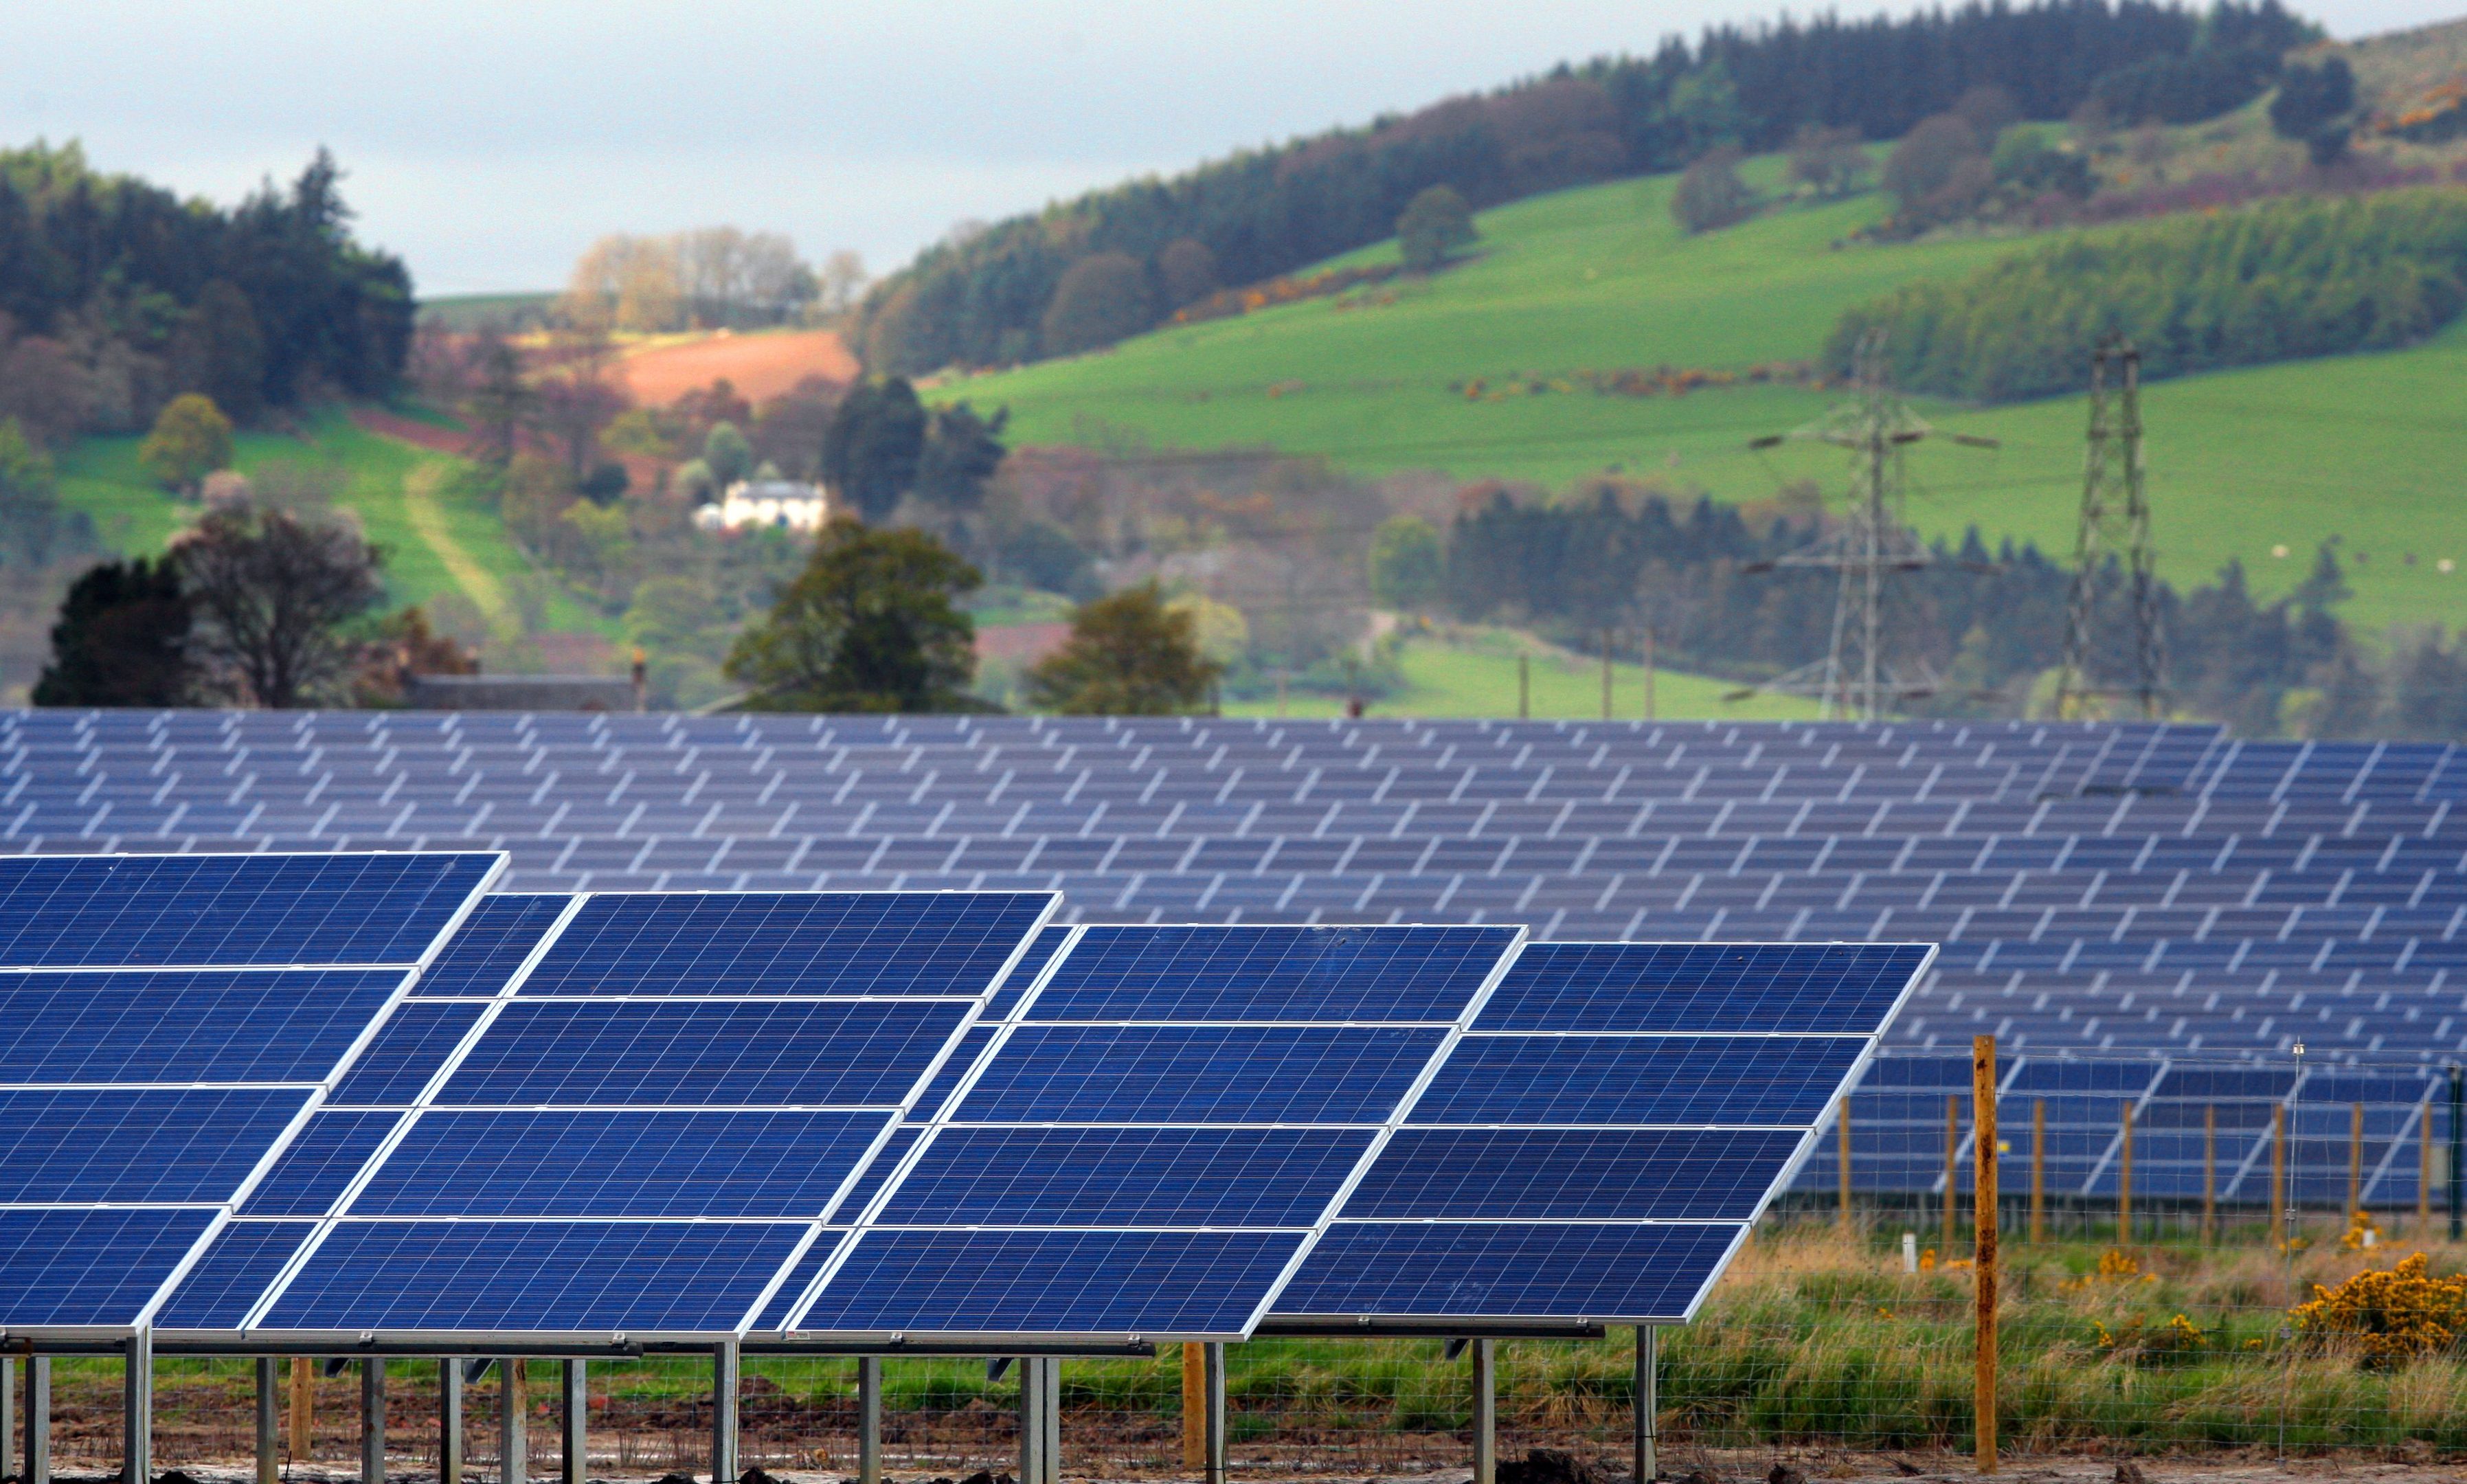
271	593
844	279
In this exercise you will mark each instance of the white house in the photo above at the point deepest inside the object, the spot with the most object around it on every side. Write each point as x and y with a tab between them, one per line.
788	503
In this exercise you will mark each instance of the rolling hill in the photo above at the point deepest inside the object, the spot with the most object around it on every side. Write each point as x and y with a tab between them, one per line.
2257	465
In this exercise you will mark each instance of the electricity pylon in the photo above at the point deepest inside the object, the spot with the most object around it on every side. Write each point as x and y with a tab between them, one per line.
2114	522
1853	679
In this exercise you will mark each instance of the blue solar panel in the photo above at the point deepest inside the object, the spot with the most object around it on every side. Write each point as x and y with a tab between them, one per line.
1638	1080
692	1277
1517	1270
1098	1282
1049	942
490	944
1702	987
231	911
1126	1177
1587	1174
90	1267
316	1168
97	1145
1272	973
609	1164
799	1052
1191	1074
177	1026
407	1051
244	1258
823	943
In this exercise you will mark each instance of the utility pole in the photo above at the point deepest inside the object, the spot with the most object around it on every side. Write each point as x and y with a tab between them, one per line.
1872	540
2114	524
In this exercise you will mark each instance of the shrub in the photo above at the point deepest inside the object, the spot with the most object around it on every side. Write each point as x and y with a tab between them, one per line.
1710	194
2388	1315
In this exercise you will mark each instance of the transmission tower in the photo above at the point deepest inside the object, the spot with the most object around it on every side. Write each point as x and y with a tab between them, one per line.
2114	522
1872	540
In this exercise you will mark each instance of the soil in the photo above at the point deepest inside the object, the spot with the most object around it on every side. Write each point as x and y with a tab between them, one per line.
760	366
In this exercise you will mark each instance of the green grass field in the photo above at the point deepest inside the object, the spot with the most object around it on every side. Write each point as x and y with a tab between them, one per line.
2361	447
435	542
1472	672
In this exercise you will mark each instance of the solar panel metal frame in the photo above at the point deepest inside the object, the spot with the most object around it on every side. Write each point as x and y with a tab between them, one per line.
77	1337
1584	1326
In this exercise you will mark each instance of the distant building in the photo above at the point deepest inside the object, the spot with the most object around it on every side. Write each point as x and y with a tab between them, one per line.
527	693
788	503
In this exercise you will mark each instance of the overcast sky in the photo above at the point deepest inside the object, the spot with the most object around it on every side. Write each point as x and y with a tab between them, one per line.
489	141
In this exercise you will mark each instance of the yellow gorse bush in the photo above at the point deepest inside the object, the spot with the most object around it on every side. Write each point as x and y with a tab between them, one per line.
2388	1315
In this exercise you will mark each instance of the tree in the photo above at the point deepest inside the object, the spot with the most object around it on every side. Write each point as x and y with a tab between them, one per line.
961	452
35	531
1828	160
271	592
219	350
1102	298
1406	566
1710	194
1435	224
1129	655
121	639
1989	111
870	626
1938	170
191	439
500	403
727	454
843	281
1187	271
871	454
2312	99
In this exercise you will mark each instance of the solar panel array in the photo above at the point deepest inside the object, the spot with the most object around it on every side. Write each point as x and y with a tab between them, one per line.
867	1115
2128	894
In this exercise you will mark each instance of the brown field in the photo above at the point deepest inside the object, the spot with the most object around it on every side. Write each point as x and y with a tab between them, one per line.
760	366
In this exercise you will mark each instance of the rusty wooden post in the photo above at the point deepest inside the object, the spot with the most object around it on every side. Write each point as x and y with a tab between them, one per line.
2277	1172
303	1409
2209	1175
1951	1169
2038	1171
1844	1130
2124	1182
1194	1407
1982	1123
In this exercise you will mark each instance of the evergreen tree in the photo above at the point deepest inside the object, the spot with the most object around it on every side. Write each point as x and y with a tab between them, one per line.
121	639
877	439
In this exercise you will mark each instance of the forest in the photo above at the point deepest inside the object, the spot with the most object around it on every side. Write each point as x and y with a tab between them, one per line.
2301	275
982	298
117	296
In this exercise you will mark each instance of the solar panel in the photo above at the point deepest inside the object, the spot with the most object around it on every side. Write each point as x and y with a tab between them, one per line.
141	1106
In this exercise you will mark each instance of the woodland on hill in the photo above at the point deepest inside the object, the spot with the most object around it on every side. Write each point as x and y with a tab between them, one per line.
985	298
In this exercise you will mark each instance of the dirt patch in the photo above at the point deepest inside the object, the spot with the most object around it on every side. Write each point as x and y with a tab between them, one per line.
1021	643
412	431
760	366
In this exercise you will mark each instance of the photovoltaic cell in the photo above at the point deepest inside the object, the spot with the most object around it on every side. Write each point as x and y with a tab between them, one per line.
316	1168
1126	1177
1801	988
820	943
1638	1080
492	944
612	1164
230	911
1198	1074
1509	1270
181	1026
537	1276
1049	942
110	1145
406	1052
789	1052
1574	1174
1148	1283
1272	973
245	1259
90	1267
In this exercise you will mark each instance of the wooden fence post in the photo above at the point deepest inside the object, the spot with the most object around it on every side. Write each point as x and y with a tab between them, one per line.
2209	1175
1952	1169
1845	1132
2038	1171
1982	1124
2125	1184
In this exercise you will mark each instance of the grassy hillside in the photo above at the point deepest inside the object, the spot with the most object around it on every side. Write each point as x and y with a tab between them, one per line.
2362	448
438	546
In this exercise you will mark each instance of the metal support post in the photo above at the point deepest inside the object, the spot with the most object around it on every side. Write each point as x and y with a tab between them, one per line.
373	1421
1050	1397
450	1455
572	1449
269	1423
1486	1412
1032	1420
723	1412
868	1420
8	1416
137	1410
513	1438
1212	1358
2457	1152
1983	1200
1648	1406
39	1420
